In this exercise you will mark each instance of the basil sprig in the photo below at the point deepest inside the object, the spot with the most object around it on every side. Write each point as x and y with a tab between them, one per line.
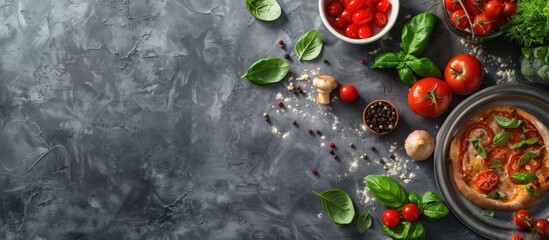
531	192
267	70
506	122
309	46
523	141
266	10
488	213
337	204
363	222
524	177
387	191
501	138
432	207
478	146
496	195
415	38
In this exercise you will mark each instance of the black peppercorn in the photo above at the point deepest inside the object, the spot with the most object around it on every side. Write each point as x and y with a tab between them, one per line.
310	131
287	56
373	149
325	61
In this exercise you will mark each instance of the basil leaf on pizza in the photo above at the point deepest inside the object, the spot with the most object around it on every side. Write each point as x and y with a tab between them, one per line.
531	192
496	195
501	139
526	157
478	146
508	123
524	177
496	164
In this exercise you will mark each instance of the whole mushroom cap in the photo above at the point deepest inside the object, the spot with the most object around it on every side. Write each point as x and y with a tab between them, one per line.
325	82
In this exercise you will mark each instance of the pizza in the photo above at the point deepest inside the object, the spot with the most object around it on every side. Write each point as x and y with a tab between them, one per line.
499	160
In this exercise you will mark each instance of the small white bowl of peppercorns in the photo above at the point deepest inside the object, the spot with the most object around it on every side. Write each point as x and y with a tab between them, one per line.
359	21
380	117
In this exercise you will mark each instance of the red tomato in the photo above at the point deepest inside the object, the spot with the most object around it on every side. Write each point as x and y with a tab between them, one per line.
474	7
335	8
513	166
531	165
487	180
364	31
351	31
459	19
390	218
509	8
516	237
542	225
493	9
522	218
355	5
383	6
380	20
452	5
429	97
348	93
362	17
346	3
482	25
347	15
478	131
340	22
373	2
464	74
410	212
500	153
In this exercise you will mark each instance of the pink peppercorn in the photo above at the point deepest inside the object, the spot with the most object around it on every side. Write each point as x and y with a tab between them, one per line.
314	171
332	145
280	104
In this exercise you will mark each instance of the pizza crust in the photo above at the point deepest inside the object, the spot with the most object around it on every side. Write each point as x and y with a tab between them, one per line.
522	199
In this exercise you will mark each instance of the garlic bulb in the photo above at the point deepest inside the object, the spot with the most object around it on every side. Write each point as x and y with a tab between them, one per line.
419	145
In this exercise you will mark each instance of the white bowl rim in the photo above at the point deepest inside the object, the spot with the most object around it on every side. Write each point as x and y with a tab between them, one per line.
391	22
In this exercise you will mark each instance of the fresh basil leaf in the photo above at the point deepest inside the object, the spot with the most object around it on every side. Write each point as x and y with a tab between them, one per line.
430	197
386	60
267	70
363	222
416	32
387	191
496	195
405	231
526	157
531	192
528	141
524	177
434	211
478	146
309	46
414	198
496	164
526	52
337	204
488	213
501	139
266	10
424	67
406	76
507	123
532	140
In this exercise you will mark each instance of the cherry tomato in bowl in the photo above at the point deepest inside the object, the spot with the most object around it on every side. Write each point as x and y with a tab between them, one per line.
348	93
430	97
464	74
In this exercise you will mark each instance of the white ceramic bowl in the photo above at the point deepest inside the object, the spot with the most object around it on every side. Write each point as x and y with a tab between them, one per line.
393	14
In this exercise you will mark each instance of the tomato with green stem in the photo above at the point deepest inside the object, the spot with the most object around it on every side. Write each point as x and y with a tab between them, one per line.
464	74
509	8
452	5
429	97
493	9
390	218
542	227
482	25
523	219
459	19
474	6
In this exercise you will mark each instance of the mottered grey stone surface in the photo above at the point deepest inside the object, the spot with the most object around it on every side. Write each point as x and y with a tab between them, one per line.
128	120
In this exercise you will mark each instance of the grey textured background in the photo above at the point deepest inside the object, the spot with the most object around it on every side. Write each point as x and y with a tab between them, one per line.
127	120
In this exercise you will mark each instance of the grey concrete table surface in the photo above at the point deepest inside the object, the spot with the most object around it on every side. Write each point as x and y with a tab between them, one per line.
128	120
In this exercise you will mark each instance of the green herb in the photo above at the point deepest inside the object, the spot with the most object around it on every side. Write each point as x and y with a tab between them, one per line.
363	222
387	60
309	46
488	213
267	70
478	146
266	10
416	32
406	231
496	164
432	207
337	204
526	157
406	75
414	198
422	66
501	139
496	195
508	123
524	177
529	25
531	192
523	141
387	191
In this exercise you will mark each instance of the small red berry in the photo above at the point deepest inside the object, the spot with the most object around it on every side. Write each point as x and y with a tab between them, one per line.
314	171
335	156
331	151
362	61
280	42
280	104
332	145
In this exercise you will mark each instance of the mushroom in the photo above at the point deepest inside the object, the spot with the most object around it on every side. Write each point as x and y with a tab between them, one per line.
324	85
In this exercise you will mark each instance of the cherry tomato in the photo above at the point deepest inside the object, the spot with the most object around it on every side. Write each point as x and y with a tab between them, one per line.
509	8
364	31
340	22
474	7
348	93
429	97
452	5
493	9
373	2
459	19
464	74
501	154
347	15
542	225
390	218
487	180
522	218
351	31
410	212
383	6
362	17
380	20
482	25
346	3
355	5
516	237
335	8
